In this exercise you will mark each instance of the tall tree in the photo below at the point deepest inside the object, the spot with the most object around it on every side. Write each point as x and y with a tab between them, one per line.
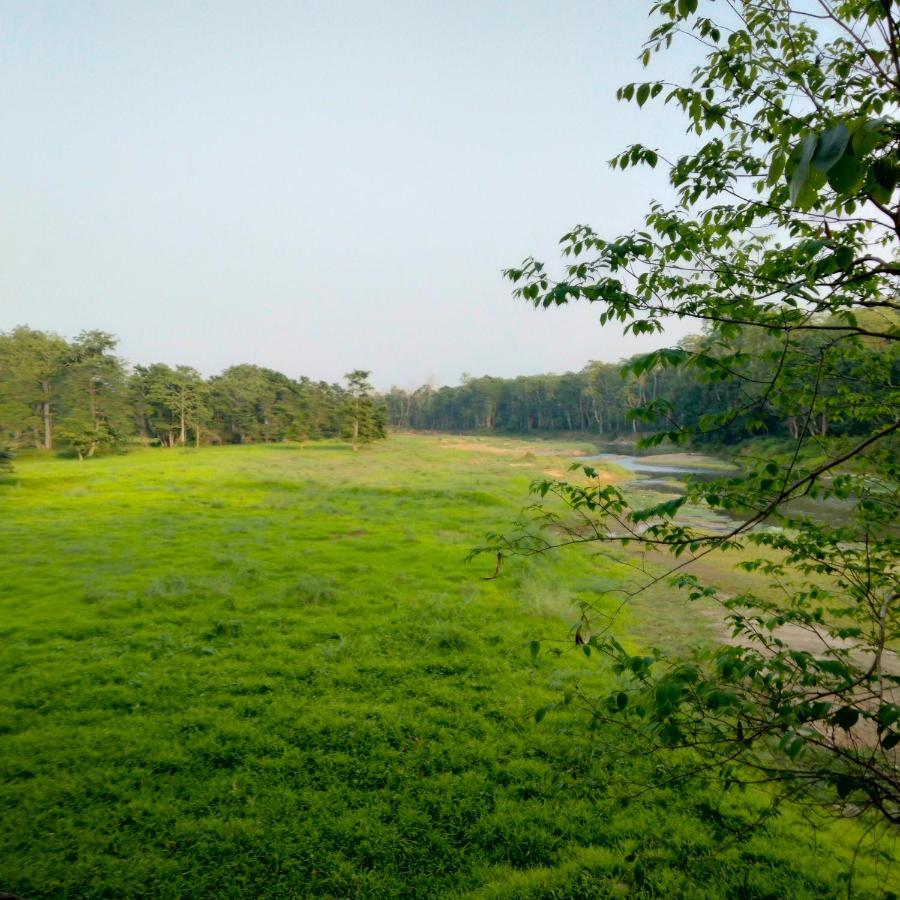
32	367
187	398
785	224
93	395
161	400
364	421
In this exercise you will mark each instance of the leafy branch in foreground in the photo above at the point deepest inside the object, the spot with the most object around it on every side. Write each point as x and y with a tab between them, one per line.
782	242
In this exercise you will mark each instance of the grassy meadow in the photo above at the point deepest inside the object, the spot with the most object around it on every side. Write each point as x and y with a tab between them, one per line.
267	671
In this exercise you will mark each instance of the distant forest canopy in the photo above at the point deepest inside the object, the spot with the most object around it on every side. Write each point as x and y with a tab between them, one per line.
602	397
79	395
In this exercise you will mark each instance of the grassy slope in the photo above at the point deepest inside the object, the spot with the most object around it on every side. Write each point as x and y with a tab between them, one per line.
265	671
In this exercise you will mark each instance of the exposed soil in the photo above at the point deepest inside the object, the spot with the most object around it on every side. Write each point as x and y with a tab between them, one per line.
519	450
688	460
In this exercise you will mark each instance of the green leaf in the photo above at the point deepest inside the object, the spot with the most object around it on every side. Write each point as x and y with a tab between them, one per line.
668	694
776	168
846	717
800	174
670	734
844	784
843	257
867	137
885	172
833	667
830	148
875	189
643	92
888	714
846	175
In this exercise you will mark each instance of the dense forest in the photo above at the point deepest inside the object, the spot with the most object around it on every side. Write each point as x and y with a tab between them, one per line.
716	395
78	395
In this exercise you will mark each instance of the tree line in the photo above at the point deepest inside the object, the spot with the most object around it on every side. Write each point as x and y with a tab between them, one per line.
715	396
79	395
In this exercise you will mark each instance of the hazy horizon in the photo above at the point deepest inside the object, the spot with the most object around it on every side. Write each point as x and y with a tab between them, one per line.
318	187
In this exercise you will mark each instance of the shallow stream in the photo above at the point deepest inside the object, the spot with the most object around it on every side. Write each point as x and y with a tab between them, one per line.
669	478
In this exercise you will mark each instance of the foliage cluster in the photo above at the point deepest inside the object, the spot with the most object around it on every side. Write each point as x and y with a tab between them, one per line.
785	225
80	395
700	387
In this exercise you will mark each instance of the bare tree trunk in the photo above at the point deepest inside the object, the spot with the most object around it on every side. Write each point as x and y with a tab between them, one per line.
48	417
793	428
93	402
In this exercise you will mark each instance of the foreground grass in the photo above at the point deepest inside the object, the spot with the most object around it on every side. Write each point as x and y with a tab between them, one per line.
267	671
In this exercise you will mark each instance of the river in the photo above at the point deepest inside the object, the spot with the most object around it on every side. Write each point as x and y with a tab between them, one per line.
668	478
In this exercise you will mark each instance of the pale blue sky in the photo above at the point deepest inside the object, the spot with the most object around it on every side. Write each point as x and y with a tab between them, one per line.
317	186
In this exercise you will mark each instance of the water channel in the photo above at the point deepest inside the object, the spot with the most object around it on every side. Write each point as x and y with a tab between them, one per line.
667	478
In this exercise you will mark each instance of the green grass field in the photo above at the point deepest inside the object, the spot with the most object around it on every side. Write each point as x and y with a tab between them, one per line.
268	672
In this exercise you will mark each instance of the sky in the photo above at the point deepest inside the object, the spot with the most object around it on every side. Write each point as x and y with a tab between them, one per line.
319	186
